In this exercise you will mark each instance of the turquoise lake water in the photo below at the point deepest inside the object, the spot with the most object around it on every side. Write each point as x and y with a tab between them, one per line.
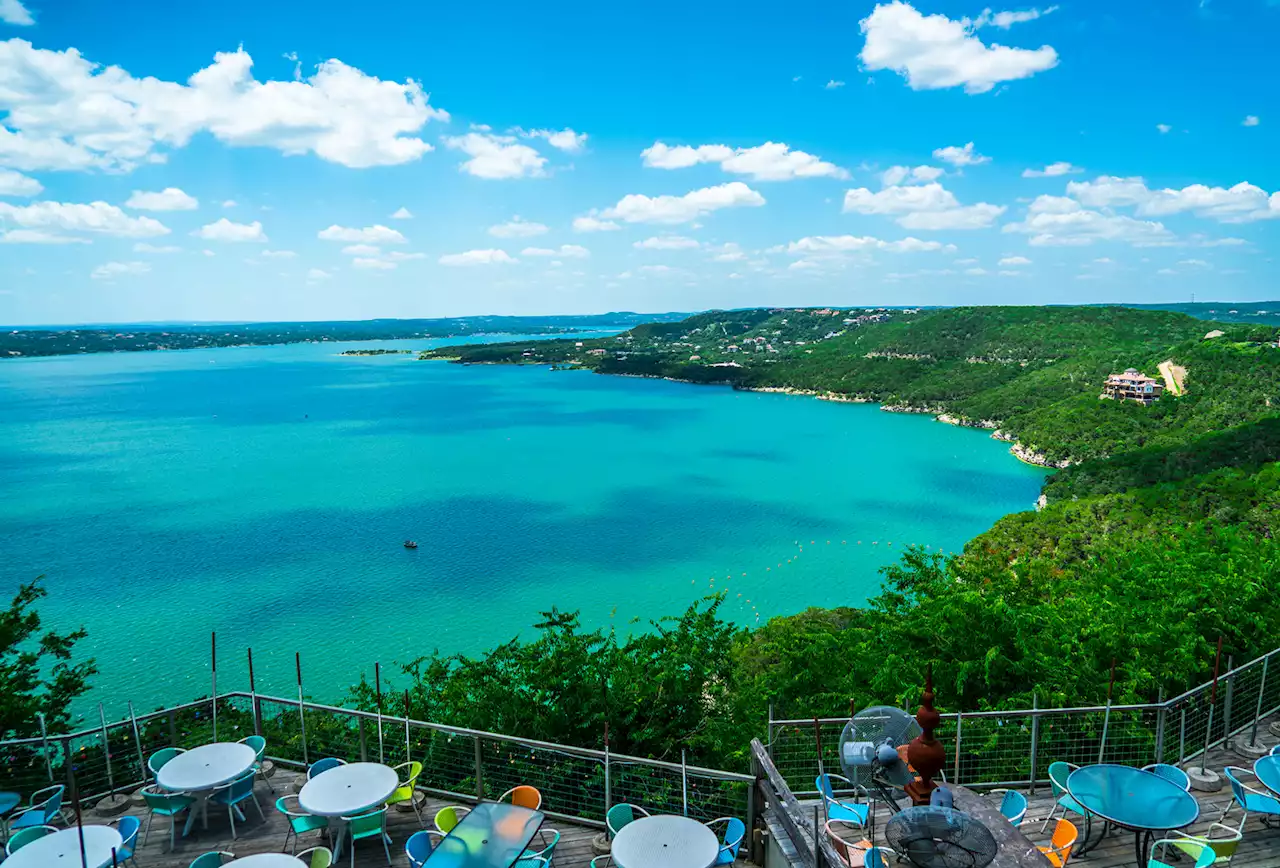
265	492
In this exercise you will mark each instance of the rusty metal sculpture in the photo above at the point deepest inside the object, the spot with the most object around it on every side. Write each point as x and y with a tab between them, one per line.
925	753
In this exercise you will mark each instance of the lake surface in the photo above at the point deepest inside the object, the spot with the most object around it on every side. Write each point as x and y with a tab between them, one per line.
265	492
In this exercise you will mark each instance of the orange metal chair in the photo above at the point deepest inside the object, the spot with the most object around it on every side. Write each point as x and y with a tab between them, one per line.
1064	838
524	796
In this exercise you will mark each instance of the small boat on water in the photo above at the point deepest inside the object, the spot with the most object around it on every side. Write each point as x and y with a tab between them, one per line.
410	544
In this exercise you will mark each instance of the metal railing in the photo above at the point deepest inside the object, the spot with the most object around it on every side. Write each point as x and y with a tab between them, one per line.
1015	748
577	784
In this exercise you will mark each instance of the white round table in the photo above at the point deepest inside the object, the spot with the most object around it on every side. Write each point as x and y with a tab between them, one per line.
346	791
665	841
267	860
62	849
203	769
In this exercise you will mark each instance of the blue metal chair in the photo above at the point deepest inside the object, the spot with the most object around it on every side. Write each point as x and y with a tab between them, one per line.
1249	799
734	831
212	860
843	812
239	790
1058	774
259	745
1170	773
45	807
157	760
877	857
1013	805
1275	751
419	847
1205	856
621	814
324	765
128	827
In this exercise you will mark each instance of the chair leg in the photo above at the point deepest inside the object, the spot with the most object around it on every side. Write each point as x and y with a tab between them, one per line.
148	831
259	807
173	832
1052	811
231	814
385	848
287	834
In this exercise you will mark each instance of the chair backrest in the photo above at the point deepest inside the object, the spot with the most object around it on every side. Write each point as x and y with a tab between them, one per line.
157	798
618	816
1237	789
524	796
446	818
1058	774
605	861
324	765
418	848
157	760
128	827
1064	838
316	857
1275	751
257	742
1170	773
734	831
211	860
840	844
23	837
549	850
875	858
374	821
1013	806
241	787
415	769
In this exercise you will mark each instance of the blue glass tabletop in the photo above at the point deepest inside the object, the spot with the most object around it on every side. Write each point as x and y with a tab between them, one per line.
491	836
1268	771
9	801
1132	798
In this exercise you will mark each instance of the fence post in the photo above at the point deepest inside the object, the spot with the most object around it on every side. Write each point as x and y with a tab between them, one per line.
769	744
44	741
137	741
106	748
479	768
302	717
1262	688
1035	738
70	763
1182	735
173	730
1162	715
956	772
256	707
608	784
364	751
1226	704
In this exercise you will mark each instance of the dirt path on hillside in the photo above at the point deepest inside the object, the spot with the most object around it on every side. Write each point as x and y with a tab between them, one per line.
1173	376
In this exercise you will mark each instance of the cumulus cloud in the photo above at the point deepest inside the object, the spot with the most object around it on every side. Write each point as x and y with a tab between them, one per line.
667	242
957	156
772	161
833	84
361	250
112	270
13	12
591	224
477	257
1250	121
67	112
317	274
923	207
168	199
1058	221
828	244
144	247
638	208
1242	203
224	230
402	214
496	157
517	227
95	217
1014	260
566	251
278	254
895	175
17	184
38	236
375	234
1052	170
1163	128
564	140
934	51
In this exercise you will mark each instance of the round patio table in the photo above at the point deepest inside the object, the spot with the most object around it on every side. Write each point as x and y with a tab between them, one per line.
1268	771
346	791
267	860
201	770
1132	799
665	841
62	849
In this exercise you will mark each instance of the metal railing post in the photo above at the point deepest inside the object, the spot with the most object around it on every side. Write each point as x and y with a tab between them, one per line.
1226	705
44	743
173	730
106	748
769	744
1262	688
364	749
1162	715
70	764
137	741
1182	735
479	768
956	772
1035	738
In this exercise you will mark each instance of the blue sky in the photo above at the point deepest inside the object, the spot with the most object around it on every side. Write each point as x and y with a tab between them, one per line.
176	161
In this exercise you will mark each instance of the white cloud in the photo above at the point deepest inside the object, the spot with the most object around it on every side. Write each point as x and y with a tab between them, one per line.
374	264
591	224
772	161
1056	221
518	227
835	244
1052	170
923	207
397	256
478	257
667	242
208	252
496	157
13	12
1005	20
229	203
1014	261
278	254
224	230
934	51
729	252
38	236
564	140
1250	121
1242	203
568	251
375	234
1194	263
656	269
168	199
833	84
638	208
144	247
361	250
112	270
975	272
1163	128
17	184
98	217
67	112
316	274
402	214
895	175
957	156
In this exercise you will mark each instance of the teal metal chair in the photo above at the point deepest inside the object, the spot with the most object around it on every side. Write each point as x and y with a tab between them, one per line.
548	850
45	807
605	861
734	831
1205	856
165	804
23	837
324	765
239	790
1170	773
419	847
212	860
876	857
1058	774
128	827
300	822
840	812
1249	799
1013	805
259	745
370	825
157	760
316	857
621	814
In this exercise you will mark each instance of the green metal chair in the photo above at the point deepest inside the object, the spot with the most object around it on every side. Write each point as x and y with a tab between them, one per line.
1204	855
370	825
450	816
316	857
259	745
157	760
405	792
300	821
23	837
1222	839
165	804
212	860
621	814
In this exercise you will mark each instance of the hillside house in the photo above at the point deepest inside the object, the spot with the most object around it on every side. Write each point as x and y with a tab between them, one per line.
1132	385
